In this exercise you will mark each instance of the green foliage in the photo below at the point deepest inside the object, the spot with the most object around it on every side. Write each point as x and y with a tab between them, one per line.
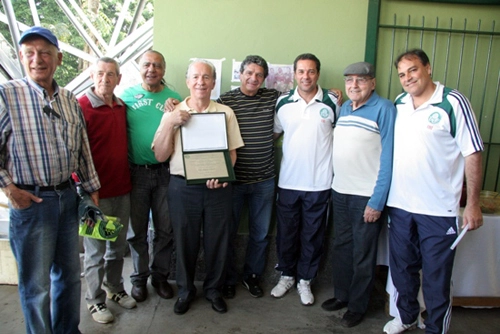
53	18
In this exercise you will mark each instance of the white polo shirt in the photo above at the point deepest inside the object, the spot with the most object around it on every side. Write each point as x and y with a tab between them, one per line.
307	140
430	144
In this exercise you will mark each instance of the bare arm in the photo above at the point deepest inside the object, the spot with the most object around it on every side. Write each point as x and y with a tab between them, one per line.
473	175
232	154
163	142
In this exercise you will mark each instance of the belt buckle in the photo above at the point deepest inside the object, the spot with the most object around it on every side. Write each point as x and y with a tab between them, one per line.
61	186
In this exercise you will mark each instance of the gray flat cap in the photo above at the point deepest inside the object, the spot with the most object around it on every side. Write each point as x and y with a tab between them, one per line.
361	68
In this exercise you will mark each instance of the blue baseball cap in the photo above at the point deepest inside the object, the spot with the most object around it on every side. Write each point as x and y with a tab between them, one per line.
41	32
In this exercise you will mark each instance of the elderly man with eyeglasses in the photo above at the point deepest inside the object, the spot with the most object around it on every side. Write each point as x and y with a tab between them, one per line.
362	164
43	141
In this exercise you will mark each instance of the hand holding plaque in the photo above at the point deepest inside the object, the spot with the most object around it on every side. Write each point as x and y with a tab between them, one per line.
205	148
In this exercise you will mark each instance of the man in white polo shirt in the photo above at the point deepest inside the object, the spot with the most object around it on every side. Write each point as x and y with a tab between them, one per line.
306	116
436	139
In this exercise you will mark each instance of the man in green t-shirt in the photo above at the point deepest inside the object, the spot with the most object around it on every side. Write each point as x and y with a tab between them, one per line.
150	180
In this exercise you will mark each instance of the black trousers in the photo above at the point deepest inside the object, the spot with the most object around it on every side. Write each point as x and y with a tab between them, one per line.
198	212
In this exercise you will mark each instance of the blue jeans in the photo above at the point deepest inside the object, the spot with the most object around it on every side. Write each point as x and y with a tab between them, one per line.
259	197
104	259
149	193
354	250
44	240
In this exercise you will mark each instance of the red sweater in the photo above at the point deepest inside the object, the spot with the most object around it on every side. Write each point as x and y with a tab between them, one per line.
107	132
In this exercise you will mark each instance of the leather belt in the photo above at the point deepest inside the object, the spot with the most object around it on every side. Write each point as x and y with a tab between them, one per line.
60	186
152	166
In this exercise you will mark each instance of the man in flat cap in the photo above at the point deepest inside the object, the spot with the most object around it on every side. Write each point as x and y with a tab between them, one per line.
362	165
42	142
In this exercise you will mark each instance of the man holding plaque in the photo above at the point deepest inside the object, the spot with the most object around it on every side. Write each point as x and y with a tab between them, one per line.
306	115
205	205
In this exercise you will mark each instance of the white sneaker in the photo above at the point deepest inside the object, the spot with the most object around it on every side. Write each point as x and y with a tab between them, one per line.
122	298
285	283
100	313
304	289
395	326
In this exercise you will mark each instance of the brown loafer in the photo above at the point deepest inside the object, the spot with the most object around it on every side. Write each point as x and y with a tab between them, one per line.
163	289
139	293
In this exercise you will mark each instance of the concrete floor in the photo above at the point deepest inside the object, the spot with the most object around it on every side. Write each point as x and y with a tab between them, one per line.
245	315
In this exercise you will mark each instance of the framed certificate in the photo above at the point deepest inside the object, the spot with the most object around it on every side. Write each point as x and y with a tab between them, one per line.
205	150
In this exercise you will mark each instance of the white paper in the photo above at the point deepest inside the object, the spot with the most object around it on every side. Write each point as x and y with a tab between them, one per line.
204	132
460	236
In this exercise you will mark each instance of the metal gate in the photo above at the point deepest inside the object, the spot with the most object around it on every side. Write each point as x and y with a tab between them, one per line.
464	55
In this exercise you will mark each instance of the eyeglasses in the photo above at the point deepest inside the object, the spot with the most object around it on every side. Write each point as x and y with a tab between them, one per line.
359	80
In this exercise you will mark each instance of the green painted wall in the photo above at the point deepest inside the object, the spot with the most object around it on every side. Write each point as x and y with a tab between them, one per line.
467	62
443	16
278	30
458	12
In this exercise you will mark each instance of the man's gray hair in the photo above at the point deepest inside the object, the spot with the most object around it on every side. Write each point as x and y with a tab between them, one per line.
201	61
109	60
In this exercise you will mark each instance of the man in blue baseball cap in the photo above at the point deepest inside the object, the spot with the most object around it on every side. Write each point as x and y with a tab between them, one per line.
43	141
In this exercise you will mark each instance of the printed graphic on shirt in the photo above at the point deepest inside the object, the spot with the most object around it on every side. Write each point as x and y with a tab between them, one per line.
324	113
434	118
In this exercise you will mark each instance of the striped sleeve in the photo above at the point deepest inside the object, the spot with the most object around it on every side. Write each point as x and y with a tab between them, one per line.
467	134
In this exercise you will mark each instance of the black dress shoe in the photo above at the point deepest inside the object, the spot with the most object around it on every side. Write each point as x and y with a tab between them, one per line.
181	306
351	319
333	304
218	304
163	289
139	293
229	291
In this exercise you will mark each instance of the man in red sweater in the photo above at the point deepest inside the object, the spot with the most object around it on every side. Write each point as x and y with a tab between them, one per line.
105	116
